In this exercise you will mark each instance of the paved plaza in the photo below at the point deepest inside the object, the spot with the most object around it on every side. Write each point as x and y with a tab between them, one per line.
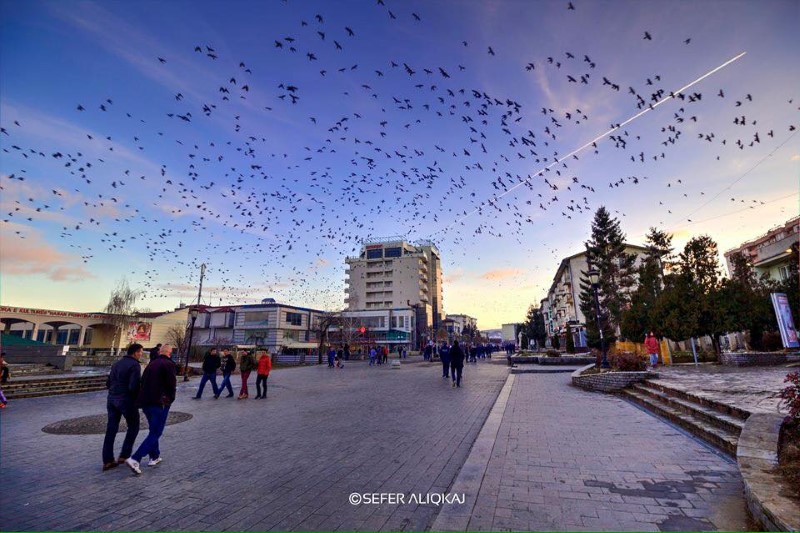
753	389
558	458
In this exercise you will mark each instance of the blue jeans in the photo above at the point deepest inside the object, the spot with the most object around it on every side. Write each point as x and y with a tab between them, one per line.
116	410
226	382
207	376
156	419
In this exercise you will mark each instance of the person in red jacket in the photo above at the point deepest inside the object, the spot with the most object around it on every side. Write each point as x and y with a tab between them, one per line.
651	345
264	367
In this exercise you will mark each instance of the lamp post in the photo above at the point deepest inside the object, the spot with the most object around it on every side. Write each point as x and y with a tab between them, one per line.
193	315
594	278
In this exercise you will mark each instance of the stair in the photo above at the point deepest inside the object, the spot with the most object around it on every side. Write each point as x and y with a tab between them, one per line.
31	369
718	424
32	388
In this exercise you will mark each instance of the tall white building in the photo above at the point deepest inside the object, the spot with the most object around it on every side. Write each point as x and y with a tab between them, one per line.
393	273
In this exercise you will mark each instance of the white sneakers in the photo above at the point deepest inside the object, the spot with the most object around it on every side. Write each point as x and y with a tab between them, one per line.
154	462
133	465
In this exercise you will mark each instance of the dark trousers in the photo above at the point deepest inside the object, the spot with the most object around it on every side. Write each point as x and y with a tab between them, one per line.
445	368
226	384
261	379
116	410
208	376
156	420
4	374
457	374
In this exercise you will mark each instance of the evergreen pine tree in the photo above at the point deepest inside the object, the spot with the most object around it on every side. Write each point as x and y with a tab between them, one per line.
638	318
605	251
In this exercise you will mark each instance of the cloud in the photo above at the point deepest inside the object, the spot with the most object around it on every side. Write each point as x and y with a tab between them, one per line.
26	253
501	273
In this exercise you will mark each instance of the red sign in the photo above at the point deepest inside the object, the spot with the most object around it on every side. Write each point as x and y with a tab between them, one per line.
48	312
374	246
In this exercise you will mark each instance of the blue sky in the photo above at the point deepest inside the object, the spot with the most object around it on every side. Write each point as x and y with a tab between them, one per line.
273	195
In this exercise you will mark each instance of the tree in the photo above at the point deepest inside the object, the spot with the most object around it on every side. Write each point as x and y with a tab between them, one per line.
745	300
120	308
570	344
605	251
638	319
533	327
692	303
323	322
789	286
177	337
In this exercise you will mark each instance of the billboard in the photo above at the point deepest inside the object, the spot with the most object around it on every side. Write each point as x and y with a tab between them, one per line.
784	314
139	331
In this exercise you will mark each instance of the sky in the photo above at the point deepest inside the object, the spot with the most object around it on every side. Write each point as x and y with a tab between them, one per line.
270	139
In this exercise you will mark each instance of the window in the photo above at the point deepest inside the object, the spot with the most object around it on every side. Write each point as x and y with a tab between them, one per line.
291	335
783	273
393	252
256	318
375	254
394	322
295	319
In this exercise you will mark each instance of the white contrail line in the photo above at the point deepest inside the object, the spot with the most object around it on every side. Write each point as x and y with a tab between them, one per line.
649	108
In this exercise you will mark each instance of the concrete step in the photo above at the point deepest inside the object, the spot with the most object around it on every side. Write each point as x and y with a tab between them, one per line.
30	388
706	402
35	369
709	414
718	437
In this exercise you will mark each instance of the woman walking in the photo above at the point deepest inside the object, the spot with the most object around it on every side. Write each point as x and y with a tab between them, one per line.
264	367
246	365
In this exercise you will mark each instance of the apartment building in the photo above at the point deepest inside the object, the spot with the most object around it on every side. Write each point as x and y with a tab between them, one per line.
561	306
770	252
393	273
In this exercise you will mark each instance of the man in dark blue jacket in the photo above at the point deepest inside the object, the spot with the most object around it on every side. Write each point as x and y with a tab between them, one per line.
211	362
123	388
444	354
155	399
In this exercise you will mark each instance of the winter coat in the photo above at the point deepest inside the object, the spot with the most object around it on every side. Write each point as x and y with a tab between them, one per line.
230	365
247	363
124	380
211	363
158	383
456	356
264	365
651	344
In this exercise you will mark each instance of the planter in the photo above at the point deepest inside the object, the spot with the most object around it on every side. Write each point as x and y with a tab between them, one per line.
608	381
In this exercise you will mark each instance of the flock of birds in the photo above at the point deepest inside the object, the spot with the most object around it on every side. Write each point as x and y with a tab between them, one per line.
268	220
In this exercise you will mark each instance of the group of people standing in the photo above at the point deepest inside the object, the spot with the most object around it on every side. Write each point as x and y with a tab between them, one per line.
452	362
130	390
227	362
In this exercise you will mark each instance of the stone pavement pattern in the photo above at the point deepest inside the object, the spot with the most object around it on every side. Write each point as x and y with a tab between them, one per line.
567	459
286	463
754	389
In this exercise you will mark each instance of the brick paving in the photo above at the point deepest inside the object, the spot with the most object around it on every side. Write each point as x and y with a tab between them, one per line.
754	389
287	463
567	459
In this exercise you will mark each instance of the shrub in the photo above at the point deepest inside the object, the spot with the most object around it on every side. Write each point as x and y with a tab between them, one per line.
791	395
627	362
553	353
771	341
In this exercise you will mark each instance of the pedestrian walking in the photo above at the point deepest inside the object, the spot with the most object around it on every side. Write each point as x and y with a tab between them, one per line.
247	364
155	398
154	352
331	357
444	355
123	384
385	354
456	363
4	371
264	368
371	356
651	345
228	366
211	362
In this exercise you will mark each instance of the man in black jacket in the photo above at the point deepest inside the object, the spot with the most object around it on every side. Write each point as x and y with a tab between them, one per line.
456	363
154	352
227	369
123	388
155	398
211	362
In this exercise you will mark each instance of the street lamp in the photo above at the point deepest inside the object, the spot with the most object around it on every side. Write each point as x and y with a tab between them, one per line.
594	279
193	314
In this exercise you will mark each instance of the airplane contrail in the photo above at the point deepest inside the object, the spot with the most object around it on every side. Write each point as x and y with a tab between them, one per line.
649	108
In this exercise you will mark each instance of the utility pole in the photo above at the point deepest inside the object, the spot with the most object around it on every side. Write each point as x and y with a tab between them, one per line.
193	314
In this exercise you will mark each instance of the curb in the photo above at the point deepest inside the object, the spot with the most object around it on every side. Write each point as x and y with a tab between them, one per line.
470	477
